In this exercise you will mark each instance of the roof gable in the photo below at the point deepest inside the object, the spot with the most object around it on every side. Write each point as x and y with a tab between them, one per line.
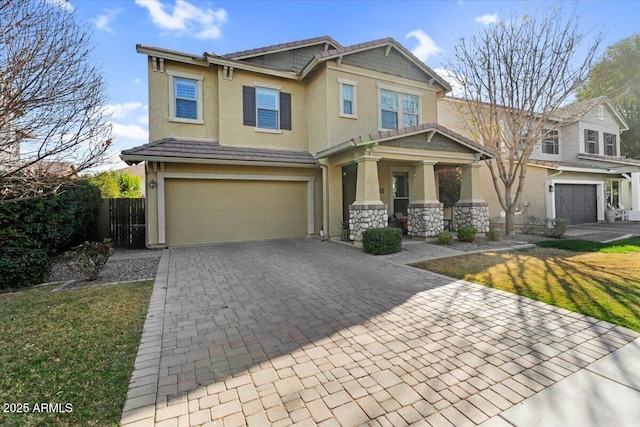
326	42
576	110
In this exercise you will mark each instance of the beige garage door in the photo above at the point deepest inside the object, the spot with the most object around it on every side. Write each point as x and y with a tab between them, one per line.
213	211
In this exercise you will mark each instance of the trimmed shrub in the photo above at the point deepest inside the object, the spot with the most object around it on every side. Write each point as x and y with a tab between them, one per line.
467	234
445	238
494	235
20	267
89	258
382	241
555	228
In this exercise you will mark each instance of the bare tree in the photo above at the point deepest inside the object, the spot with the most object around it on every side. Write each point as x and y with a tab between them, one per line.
51	99
514	74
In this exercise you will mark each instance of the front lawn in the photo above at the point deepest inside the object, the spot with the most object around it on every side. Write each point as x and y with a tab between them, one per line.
72	350
603	283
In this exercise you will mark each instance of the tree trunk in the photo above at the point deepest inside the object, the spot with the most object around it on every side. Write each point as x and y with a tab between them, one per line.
509	223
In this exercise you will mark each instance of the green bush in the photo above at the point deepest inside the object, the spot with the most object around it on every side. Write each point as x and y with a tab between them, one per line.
54	222
445	238
89	258
20	267
493	235
382	241
467	234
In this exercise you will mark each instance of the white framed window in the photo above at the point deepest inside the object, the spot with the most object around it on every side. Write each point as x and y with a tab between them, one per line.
398	110
610	147
550	142
348	98
591	141
267	108
185	97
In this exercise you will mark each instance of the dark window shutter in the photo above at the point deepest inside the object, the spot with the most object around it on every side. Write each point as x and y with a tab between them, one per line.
248	106
586	141
615	146
285	111
597	143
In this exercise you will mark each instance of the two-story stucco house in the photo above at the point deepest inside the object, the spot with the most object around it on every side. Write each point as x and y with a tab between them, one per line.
296	139
576	172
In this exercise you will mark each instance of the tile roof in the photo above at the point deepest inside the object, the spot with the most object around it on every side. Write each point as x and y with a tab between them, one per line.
625	160
577	109
424	127
281	46
213	151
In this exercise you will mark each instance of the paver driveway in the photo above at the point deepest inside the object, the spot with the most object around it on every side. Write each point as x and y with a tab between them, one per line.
306	332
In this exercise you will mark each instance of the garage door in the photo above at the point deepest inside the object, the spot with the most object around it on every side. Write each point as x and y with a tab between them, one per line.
213	211
577	203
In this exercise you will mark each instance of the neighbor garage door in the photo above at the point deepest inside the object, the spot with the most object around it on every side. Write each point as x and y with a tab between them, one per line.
213	211
577	203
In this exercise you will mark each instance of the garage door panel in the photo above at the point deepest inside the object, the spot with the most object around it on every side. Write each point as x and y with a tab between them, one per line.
212	211
577	203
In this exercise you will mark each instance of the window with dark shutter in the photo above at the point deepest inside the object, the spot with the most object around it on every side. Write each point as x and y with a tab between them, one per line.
285	111
248	106
591	141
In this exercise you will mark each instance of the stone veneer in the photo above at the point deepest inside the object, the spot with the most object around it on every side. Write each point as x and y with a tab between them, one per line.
425	219
363	217
472	214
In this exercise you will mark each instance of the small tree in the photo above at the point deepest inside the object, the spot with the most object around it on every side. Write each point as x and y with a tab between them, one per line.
449	186
52	97
514	74
115	185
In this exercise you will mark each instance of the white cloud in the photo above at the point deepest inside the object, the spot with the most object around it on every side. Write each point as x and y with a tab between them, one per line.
186	18
487	19
454	81
103	22
426	46
122	110
64	4
130	131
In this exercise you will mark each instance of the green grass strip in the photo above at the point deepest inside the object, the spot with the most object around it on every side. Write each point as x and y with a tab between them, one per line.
72	350
625	246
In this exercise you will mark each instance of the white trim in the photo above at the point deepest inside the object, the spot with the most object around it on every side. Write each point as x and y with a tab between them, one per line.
267	85
267	130
172	98
600	194
400	89
354	101
161	176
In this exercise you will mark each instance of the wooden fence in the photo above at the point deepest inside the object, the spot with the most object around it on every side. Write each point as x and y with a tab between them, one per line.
127	223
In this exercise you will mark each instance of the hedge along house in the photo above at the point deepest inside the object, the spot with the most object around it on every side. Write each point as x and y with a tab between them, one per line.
294	139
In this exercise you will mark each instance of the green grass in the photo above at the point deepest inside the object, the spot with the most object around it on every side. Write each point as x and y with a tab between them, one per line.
626	246
603	283
73	347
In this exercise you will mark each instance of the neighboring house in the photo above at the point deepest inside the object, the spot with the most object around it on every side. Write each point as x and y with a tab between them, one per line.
295	139
577	172
10	146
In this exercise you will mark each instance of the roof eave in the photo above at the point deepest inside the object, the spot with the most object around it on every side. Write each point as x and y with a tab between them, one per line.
131	159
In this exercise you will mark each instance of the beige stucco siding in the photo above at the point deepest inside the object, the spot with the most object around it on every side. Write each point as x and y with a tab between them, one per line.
232	130
316	109
160	125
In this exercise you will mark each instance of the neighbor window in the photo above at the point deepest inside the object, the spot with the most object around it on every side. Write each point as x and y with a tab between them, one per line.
398	110
610	144
266	108
590	141
347	99
185	93
550	142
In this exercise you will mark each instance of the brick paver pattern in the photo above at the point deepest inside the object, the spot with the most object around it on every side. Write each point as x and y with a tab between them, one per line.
302	332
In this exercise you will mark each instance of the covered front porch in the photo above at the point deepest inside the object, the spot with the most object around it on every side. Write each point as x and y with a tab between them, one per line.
368	182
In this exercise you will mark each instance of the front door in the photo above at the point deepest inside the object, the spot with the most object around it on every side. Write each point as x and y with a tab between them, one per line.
400	192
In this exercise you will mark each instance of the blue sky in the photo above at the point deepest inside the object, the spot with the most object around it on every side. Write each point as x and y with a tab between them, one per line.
429	29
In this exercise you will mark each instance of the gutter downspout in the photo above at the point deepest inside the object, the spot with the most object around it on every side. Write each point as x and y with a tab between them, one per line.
551	204
325	202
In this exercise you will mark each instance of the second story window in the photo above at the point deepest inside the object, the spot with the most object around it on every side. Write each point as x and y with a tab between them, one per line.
267	109
610	144
347	99
590	141
185	97
398	110
550	143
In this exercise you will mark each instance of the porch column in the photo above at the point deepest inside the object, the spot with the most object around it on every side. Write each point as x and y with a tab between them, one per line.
471	210
426	218
367	211
634	214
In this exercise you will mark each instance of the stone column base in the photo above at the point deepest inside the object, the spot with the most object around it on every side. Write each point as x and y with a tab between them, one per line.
425	219
363	217
472	214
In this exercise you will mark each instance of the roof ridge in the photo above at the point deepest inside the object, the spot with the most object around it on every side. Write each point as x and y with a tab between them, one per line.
287	45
